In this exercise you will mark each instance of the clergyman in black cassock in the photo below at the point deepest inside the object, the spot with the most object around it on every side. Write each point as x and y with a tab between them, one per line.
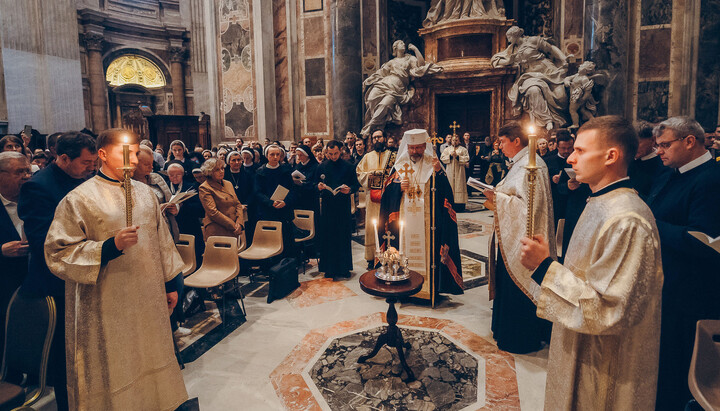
335	222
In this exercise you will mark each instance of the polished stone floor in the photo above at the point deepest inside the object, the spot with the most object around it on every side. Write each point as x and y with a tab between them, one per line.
268	362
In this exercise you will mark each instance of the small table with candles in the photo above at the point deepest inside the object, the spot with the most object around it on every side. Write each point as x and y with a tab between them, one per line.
391	291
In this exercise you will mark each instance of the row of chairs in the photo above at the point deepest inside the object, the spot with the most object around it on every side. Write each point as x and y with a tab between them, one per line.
221	264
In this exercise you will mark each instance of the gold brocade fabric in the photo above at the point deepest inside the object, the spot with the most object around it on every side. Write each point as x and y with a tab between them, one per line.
371	162
604	303
511	199
118	339
456	171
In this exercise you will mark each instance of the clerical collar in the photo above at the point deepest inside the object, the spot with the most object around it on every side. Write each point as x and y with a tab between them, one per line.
306	162
248	165
697	162
519	155
271	167
103	175
650	156
622	183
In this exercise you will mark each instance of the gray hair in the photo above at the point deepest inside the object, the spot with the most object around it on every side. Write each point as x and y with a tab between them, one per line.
209	165
7	157
681	127
175	165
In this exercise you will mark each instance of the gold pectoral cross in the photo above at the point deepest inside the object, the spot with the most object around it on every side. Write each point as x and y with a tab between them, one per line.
414	192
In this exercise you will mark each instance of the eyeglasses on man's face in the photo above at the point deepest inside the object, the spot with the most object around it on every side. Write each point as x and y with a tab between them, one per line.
666	144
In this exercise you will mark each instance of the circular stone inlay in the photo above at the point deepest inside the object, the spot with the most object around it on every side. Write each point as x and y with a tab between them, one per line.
447	375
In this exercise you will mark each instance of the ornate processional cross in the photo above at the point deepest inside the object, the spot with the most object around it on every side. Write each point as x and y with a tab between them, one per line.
454	128
387	237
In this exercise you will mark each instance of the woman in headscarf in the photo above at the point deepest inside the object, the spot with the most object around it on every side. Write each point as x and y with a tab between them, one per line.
179	154
306	185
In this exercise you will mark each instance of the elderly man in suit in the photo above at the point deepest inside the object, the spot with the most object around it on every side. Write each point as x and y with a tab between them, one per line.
76	160
14	172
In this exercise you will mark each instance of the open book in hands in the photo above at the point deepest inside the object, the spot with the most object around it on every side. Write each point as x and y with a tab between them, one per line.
479	185
297	175
336	190
179	198
713	243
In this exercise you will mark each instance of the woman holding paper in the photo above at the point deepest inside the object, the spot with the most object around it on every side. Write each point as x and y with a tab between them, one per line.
223	212
275	193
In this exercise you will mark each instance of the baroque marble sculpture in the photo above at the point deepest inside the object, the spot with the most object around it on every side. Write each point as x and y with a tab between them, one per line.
389	87
446	10
580	86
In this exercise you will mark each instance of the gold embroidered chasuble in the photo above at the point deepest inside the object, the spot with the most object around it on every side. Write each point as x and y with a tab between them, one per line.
604	303
511	199
371	162
119	344
456	168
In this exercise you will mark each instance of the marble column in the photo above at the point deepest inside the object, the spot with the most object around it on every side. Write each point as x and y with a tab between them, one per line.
346	66
606	44
98	87
177	59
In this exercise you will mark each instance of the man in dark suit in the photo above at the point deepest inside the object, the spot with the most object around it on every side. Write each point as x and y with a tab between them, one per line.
14	172
684	199
76	160
647	165
557	163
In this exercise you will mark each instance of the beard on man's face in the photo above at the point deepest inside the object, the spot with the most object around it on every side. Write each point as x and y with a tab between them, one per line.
379	146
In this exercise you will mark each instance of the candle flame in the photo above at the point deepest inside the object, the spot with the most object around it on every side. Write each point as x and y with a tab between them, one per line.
531	129
126	139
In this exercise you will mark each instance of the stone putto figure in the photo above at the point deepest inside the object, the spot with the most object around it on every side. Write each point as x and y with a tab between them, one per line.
580	87
390	87
539	88
446	10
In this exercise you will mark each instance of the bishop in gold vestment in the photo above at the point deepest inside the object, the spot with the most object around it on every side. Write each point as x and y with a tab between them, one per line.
370	173
119	344
604	302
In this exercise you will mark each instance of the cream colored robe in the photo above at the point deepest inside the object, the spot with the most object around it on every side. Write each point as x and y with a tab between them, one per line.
456	171
511	200
119	343
604	303
371	162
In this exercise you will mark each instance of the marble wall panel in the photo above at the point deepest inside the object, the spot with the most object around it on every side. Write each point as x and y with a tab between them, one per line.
315	77
314	36
43	91
316	115
654	59
654	12
282	83
708	68
653	100
536	17
312	5
404	19
606	44
346	74
237	78
369	37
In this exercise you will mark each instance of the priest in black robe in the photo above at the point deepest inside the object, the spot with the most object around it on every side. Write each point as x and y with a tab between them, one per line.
684	199
335	222
267	179
647	165
408	198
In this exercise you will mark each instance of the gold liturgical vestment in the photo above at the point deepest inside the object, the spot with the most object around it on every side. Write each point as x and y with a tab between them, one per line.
511	199
456	167
118	339
604	303
371	162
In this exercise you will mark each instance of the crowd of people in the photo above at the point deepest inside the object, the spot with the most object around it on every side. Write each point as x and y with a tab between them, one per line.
673	169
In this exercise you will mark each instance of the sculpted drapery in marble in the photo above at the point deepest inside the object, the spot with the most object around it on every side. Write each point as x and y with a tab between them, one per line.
118	338
539	89
389	87
604	302
447	10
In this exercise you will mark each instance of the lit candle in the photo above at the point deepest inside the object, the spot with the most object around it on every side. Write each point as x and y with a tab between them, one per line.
377	241
531	147
126	152
401	237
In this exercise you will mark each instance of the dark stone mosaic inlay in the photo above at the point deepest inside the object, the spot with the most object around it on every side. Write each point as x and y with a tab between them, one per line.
447	376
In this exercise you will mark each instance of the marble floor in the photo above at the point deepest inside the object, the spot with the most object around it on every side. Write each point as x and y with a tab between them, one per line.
266	363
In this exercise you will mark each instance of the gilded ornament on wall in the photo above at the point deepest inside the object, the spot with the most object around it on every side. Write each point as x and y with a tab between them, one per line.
134	69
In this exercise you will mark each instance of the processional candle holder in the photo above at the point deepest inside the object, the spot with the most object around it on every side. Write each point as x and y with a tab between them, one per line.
127	170
531	178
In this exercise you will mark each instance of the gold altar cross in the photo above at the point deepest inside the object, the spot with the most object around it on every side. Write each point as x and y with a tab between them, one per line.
388	236
436	140
454	128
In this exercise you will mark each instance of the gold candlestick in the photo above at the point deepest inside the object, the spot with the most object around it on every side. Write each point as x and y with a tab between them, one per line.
127	170
531	177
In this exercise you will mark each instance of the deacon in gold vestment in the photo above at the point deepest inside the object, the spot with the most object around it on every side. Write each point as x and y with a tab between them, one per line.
372	173
119	344
604	301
